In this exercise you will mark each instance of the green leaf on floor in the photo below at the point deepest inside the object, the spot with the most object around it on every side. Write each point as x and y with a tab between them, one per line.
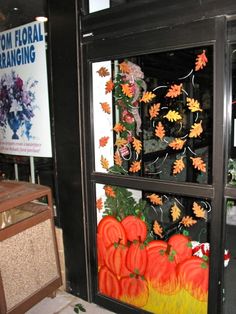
79	308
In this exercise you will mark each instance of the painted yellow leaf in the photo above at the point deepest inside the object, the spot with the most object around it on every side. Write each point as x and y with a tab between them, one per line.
174	91
105	107
196	129
121	142
173	115
155	199
178	166
154	111
118	128
199	211
137	144
158	230
99	204
175	212
160	131
188	221
193	105
198	163
177	143
117	159
124	67
104	163
127	90
109	191
135	166
147	96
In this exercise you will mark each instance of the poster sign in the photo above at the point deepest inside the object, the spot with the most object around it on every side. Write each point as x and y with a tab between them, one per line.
24	103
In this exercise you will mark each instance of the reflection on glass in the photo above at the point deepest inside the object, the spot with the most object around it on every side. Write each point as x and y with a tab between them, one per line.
230	258
158	116
153	249
232	144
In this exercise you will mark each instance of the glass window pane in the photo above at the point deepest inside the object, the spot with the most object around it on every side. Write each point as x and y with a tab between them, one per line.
153	115
153	249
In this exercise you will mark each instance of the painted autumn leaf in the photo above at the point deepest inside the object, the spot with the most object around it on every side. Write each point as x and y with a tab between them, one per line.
127	90
177	143
172	116
174	91
147	96
117	159
155	199
196	129
109	86
109	191
118	128
105	107
160	131
99	204
135	166
124	67
104	163
103	72
201	61
158	230
193	105
175	212
137	144
154	111
199	211
121	142
103	141
188	221
198	163
178	166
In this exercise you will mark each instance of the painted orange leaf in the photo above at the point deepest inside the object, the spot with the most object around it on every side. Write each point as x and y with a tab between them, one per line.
117	159
118	128
159	130
158	230
109	191
147	96
99	203
199	211
135	166
103	141
198	163
201	61
196	129
173	115
121	142
109	86
177	143
193	105
175	212
137	144
124	67
155	199
188	221
104	163
178	166
103	72
127	90
174	90
154	111
105	107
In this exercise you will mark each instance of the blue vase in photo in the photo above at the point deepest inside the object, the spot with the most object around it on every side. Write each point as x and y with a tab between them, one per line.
14	124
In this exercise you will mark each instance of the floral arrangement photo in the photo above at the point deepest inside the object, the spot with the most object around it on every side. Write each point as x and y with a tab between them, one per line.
17	104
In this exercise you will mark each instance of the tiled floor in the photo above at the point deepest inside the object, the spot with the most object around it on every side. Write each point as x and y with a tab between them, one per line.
64	303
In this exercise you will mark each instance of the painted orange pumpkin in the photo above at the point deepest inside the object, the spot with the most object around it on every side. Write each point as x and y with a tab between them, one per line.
134	290
135	228
194	275
116	259
161	267
108	283
101	251
136	259
182	246
111	231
